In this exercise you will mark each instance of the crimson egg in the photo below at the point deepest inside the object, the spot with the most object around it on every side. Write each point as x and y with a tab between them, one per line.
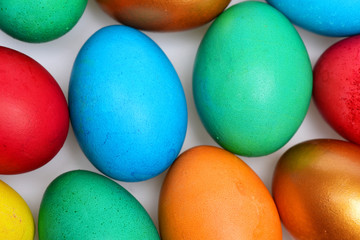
34	119
337	87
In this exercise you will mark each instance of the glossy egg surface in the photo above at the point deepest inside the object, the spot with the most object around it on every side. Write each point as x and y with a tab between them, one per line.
316	188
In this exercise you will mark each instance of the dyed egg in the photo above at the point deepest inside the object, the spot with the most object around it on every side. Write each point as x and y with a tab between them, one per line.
331	18
163	15
209	193
85	205
40	20
316	188
337	87
34	118
252	80
127	104
16	220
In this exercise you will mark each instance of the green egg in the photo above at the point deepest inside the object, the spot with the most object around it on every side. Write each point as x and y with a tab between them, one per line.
88	206
252	79
39	20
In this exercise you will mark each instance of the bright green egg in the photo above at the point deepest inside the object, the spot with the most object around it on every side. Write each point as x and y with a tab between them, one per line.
39	20
88	206
252	79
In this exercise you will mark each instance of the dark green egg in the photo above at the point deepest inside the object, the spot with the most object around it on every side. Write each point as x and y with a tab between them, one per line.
39	20
85	205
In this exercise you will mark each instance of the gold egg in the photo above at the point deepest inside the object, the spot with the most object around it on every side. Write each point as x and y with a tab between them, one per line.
316	188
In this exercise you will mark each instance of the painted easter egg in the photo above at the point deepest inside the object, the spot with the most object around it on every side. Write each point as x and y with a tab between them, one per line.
316	188
16	220
34	118
163	15
127	104
85	205
209	193
337	87
331	18
40	20
252	79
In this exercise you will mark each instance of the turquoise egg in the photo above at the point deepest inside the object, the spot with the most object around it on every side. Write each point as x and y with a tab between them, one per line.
85	205
336	18
252	79
127	105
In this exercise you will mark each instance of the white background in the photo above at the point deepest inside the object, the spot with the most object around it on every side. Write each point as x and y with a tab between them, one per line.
58	56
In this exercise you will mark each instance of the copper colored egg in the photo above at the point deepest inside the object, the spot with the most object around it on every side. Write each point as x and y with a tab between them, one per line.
316	188
163	15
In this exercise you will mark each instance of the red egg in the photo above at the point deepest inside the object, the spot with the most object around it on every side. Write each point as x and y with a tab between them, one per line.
34	119
337	87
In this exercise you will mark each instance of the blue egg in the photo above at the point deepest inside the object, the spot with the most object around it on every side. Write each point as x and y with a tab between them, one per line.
127	105
337	18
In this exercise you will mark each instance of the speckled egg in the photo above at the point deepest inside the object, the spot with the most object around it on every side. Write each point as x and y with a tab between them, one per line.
85	205
316	188
331	18
337	87
127	105
252	79
40	20
163	15
34	117
16	220
209	193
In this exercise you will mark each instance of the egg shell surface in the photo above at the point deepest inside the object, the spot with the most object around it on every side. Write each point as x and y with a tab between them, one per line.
209	193
252	79
316	188
40	20
127	104
336	18
16	220
163	15
86	205
337	87
34	117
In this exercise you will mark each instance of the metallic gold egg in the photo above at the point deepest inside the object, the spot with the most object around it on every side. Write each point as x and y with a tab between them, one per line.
316	188
163	15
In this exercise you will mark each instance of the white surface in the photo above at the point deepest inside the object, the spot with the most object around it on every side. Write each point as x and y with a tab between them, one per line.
58	56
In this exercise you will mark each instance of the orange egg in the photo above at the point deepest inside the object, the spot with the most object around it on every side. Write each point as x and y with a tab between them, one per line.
316	188
210	193
163	15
